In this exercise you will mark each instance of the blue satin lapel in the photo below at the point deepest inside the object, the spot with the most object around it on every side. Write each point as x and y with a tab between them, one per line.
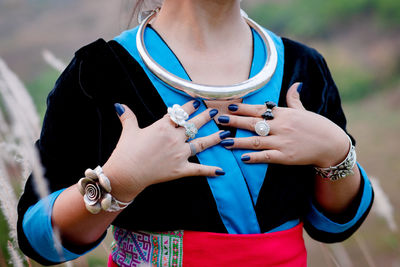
255	173
231	193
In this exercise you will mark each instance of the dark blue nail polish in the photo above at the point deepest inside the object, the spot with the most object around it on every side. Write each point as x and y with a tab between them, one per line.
223	119
213	112
224	134
227	142
245	158
299	87
219	172
119	108
196	103
233	107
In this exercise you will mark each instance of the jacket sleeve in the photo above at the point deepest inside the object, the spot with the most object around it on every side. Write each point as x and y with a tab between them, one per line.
68	144
320	94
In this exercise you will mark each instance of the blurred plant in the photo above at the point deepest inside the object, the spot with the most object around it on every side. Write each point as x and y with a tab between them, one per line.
382	206
24	124
15	257
19	128
53	61
341	255
365	251
353	83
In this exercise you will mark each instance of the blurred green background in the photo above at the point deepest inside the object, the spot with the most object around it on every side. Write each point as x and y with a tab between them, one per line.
359	39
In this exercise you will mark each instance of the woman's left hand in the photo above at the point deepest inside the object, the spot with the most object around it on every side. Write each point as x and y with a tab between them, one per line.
297	136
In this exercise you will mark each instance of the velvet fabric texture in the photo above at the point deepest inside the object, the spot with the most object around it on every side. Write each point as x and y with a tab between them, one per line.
81	129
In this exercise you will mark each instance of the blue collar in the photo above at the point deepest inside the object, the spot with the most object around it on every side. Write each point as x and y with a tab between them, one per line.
236	192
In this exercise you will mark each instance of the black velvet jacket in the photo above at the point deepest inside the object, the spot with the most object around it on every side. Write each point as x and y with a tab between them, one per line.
81	129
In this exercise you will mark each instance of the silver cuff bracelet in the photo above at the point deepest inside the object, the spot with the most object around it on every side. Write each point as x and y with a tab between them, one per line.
95	188
341	170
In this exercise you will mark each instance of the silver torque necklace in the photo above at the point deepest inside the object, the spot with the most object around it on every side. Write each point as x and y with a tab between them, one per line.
212	92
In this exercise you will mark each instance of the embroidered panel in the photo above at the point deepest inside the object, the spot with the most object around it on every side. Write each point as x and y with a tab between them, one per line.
147	248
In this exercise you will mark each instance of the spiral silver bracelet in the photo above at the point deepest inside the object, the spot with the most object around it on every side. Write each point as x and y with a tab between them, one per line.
95	188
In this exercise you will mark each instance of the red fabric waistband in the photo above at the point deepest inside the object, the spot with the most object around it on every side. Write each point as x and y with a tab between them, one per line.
283	248
279	249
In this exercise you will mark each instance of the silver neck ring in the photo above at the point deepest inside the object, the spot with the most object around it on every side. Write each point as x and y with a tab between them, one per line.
212	92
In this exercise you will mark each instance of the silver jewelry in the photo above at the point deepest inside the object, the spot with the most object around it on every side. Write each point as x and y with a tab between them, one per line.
191	129
262	128
193	150
341	170
178	114
207	91
95	188
268	115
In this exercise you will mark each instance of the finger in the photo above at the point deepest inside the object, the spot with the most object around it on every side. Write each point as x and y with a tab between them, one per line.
194	169
126	116
247	110
191	106
254	142
293	96
203	143
203	117
247	123
265	156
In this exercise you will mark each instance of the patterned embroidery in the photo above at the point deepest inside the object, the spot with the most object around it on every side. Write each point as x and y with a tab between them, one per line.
147	248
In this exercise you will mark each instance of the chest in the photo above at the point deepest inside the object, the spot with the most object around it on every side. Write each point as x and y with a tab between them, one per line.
215	63
217	67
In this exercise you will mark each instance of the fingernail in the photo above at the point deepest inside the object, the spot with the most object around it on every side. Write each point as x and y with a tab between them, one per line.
119	108
227	142
224	134
213	112
245	158
223	119
219	172
233	107
299	87
196	103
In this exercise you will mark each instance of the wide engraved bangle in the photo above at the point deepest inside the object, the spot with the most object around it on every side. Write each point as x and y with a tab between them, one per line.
341	170
95	188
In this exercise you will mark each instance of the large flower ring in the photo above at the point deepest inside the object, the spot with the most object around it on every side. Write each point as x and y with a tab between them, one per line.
178	115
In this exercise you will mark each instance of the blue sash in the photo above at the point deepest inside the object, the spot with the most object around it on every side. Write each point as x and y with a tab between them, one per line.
236	192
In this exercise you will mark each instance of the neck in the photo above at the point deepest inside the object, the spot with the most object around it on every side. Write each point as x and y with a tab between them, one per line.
201	23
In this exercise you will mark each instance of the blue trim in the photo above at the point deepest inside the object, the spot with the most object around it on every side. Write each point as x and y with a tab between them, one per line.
231	191
39	231
285	226
322	223
255	173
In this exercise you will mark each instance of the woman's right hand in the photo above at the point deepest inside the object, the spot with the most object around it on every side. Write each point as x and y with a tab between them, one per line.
157	153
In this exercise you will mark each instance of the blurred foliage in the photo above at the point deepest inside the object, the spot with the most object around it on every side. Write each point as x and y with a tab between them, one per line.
323	20
388	11
353	83
315	18
40	87
4	236
97	262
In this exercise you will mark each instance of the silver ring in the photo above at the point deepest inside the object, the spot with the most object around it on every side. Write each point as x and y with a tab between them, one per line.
191	129
262	128
178	115
193	150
